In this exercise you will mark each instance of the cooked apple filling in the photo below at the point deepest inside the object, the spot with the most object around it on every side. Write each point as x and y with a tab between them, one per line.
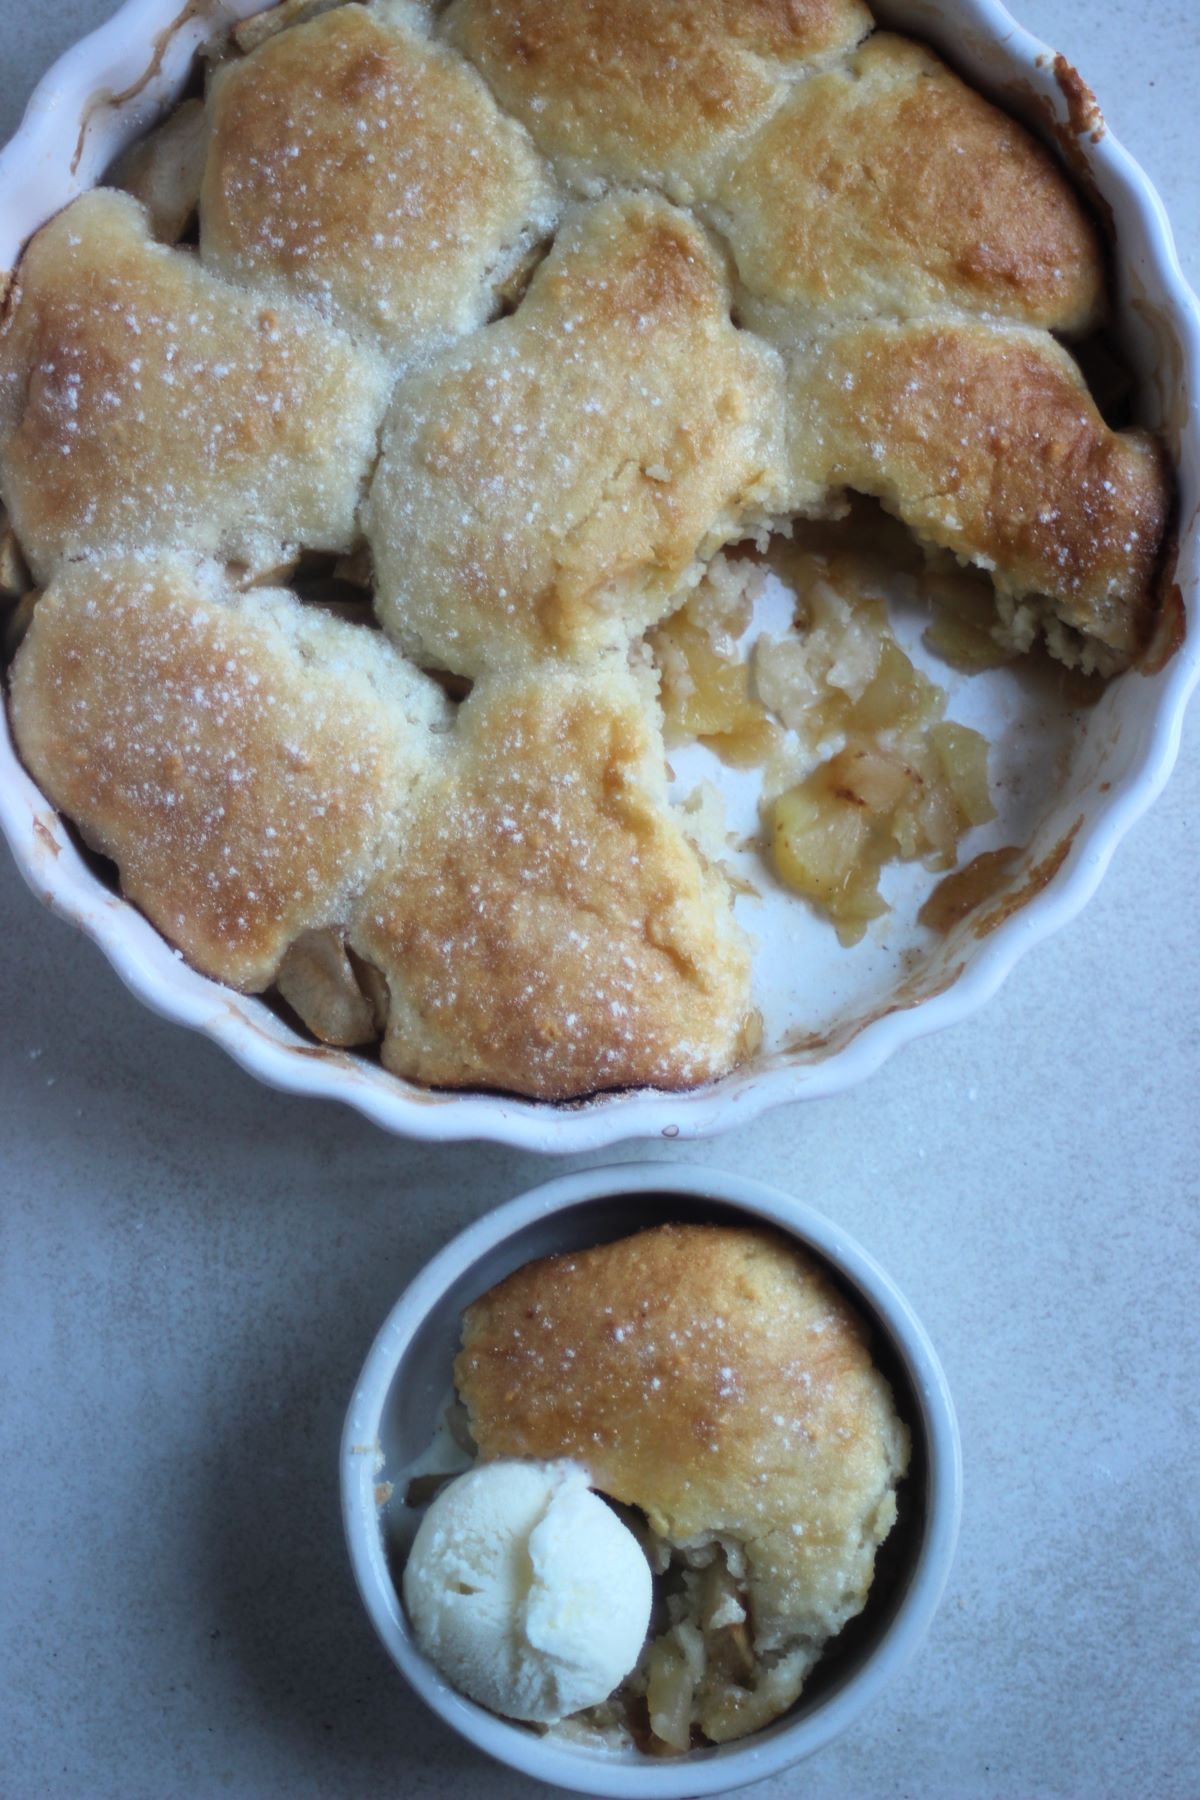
832	834
861	766
702	1672
708	695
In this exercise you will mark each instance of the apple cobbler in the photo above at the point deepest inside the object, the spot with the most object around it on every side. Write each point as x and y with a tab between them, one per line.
718	1389
393	455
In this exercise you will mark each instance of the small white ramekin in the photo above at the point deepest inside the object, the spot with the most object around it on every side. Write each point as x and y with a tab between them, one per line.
405	1384
112	85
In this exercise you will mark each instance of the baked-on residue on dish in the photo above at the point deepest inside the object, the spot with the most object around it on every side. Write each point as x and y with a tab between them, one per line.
523	310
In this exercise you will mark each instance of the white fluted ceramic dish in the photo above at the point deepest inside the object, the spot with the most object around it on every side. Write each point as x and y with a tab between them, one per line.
1068	789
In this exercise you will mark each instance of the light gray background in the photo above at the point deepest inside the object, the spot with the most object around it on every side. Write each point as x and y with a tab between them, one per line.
192	1268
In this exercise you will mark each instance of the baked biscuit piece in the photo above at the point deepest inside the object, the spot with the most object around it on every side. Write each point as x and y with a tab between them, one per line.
887	185
712	1377
629	92
370	172
145	403
549	929
242	759
987	443
548	487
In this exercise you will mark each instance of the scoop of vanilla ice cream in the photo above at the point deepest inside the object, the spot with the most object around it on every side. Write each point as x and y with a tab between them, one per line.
526	1590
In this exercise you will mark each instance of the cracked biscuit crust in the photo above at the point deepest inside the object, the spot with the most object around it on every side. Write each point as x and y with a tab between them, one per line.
243	759
549	928
711	1377
547	488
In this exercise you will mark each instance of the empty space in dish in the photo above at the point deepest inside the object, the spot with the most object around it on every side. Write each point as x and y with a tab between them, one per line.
1047	757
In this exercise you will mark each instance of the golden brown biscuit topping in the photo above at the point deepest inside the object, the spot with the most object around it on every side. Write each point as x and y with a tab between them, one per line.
143	403
887	186
367	170
987	443
522	310
243	758
549	927
547	489
619	93
711	1377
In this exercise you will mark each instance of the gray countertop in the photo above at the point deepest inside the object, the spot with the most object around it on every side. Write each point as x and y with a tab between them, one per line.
192	1268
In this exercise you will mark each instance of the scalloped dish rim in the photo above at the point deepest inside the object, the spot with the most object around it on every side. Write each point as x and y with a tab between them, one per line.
109	90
